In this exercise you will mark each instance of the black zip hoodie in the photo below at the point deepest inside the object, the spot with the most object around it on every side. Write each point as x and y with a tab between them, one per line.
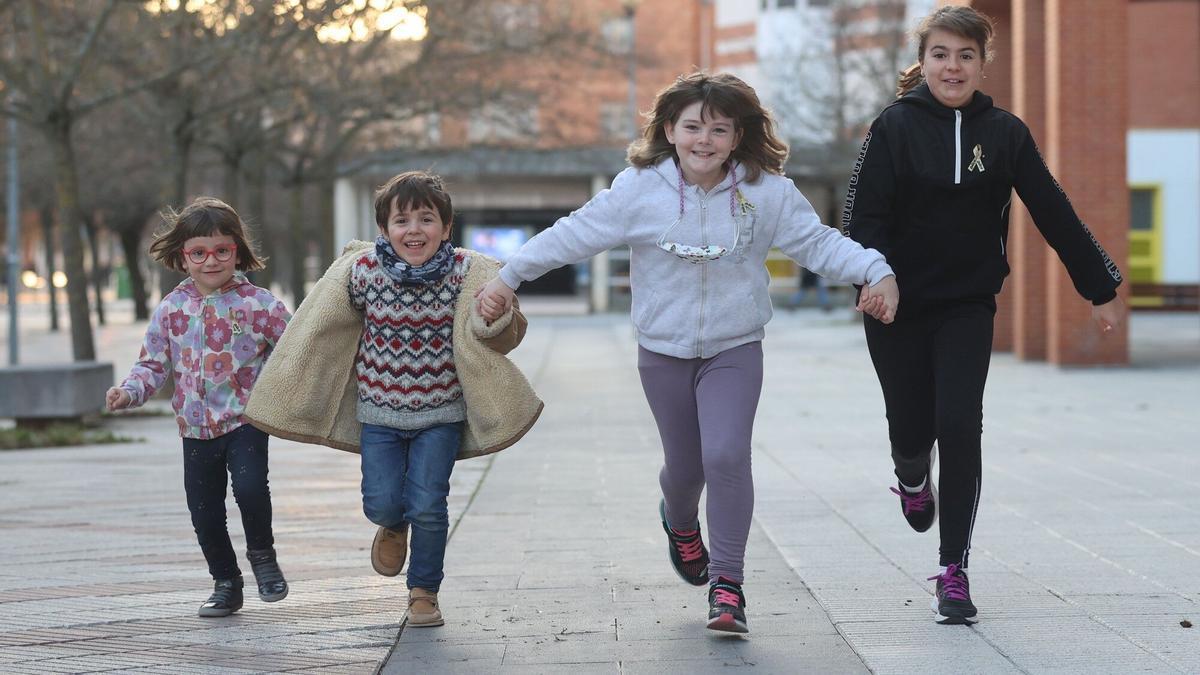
931	190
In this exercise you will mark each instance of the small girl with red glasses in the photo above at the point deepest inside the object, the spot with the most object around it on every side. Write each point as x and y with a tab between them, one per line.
702	205
213	334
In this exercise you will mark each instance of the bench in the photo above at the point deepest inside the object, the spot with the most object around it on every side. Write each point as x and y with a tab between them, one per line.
39	394
1166	297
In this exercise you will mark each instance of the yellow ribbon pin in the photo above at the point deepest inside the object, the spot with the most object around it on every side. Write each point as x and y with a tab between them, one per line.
977	163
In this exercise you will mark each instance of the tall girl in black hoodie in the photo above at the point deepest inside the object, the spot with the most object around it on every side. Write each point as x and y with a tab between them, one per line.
931	191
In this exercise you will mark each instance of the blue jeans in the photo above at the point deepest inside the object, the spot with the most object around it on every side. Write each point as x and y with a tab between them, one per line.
405	480
243	453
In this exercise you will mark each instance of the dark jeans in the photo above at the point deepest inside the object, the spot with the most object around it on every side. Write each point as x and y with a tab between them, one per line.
243	453
405	480
932	367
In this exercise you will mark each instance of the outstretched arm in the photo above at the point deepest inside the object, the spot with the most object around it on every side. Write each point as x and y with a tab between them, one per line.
1093	272
153	366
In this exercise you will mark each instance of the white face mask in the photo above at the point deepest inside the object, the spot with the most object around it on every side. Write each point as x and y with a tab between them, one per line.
711	252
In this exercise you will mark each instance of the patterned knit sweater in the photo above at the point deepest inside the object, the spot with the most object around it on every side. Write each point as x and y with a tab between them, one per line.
405	363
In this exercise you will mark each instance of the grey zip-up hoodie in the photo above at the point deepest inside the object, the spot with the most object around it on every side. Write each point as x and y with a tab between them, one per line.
690	310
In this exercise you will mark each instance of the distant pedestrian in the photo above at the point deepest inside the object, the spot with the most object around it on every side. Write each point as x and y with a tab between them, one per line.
936	175
213	334
703	203
388	356
811	281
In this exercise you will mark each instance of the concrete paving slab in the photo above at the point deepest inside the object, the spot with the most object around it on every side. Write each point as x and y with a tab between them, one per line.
1084	555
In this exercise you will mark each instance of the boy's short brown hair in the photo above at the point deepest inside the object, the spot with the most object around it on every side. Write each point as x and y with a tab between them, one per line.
413	189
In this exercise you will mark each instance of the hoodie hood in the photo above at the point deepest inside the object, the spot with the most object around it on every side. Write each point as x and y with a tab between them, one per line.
923	98
668	168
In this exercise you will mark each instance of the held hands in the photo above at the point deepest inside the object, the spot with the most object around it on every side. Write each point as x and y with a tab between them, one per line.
1110	315
494	299
880	300
117	398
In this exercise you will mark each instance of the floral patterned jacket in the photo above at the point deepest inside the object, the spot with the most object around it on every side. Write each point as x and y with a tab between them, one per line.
215	346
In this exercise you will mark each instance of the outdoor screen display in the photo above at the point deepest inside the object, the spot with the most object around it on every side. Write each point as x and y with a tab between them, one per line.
499	242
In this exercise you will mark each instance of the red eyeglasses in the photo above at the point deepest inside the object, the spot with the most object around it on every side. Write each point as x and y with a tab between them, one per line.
222	252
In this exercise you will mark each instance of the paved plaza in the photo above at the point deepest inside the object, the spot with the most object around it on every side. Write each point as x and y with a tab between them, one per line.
1086	550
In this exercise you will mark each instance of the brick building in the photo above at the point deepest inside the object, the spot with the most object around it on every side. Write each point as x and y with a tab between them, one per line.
1117	121
510	183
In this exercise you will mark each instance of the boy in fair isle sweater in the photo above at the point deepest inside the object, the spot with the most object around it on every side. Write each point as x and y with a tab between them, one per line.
429	382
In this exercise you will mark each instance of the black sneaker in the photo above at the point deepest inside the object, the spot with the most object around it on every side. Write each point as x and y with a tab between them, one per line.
688	555
272	587
952	597
919	508
727	607
225	599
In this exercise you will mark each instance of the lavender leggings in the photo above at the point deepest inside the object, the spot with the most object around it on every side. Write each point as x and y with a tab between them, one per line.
705	411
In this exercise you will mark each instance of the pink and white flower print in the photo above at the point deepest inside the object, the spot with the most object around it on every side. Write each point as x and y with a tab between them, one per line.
215	346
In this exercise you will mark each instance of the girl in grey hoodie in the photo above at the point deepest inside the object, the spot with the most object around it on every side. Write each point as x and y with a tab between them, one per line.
701	206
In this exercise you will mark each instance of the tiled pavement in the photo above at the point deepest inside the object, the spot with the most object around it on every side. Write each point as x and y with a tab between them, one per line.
1085	560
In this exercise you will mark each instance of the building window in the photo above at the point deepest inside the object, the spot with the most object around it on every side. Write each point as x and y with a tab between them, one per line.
518	22
616	122
502	122
785	4
1145	239
617	35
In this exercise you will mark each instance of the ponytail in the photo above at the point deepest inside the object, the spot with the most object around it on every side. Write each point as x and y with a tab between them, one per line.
910	77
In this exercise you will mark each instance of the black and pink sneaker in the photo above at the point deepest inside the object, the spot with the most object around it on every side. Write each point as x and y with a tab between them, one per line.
727	607
688	555
952	597
919	508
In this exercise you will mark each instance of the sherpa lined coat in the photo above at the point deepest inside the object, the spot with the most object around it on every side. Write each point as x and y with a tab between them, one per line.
308	391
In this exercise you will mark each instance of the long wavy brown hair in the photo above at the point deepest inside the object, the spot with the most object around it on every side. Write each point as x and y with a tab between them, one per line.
759	148
965	22
204	217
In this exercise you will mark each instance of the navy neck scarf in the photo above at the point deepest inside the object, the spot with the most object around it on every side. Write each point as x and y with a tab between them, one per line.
426	274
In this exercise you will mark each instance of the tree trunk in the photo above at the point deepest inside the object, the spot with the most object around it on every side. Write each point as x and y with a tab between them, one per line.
256	205
131	245
233	184
168	279
47	214
70	219
97	276
297	243
325	221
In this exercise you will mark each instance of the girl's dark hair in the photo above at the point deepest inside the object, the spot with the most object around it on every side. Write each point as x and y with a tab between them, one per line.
965	22
205	217
413	189
758	150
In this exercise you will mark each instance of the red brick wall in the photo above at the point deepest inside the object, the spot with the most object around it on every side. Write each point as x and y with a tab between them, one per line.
1164	64
1027	250
1086	82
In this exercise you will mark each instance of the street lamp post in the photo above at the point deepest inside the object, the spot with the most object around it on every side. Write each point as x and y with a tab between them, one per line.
631	7
14	232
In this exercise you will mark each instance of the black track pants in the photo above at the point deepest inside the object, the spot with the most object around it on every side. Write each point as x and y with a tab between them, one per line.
932	367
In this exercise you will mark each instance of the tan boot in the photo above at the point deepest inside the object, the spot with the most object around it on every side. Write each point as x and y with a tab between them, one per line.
389	550
423	608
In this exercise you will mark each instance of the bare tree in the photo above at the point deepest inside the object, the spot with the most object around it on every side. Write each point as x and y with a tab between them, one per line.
472	53
836	76
53	74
